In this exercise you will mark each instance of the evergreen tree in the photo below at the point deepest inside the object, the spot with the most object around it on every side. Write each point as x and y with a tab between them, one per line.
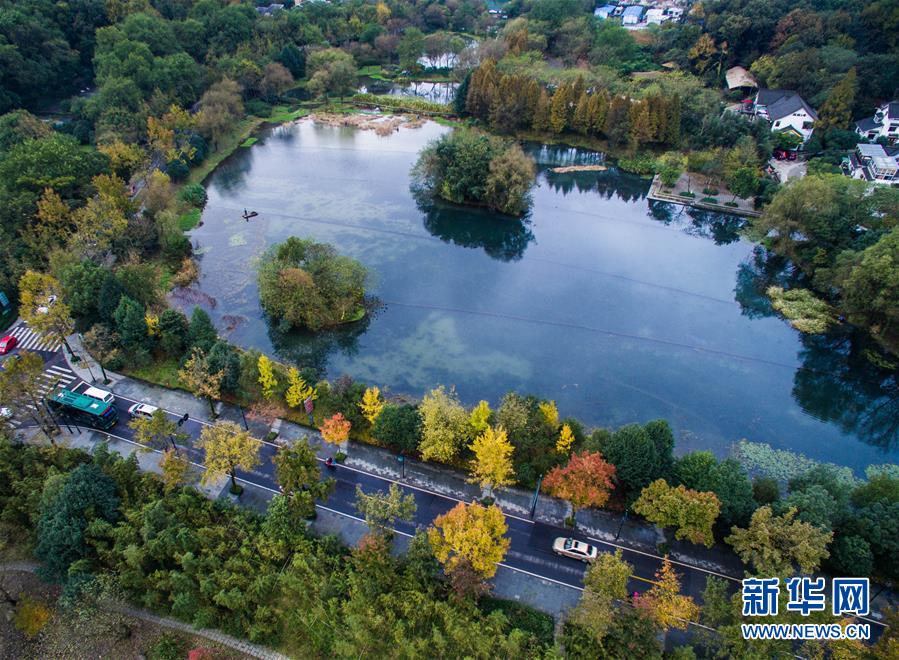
559	113
201	333
641	130
672	121
461	98
599	108
131	324
581	121
173	329
617	125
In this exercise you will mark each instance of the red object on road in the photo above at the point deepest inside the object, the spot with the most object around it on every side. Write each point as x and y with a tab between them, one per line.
791	155
7	344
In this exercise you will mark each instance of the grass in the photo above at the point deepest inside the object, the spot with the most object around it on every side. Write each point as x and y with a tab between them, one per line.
357	315
159	372
225	148
283	113
709	200
189	220
250	141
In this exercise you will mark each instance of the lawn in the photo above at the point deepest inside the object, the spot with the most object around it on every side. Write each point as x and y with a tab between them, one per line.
159	372
242	130
250	141
283	113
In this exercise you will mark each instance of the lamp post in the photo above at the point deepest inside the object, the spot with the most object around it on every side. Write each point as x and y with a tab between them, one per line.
621	525
536	496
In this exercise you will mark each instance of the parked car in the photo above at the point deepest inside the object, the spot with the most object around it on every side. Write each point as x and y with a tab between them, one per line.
45	309
144	410
568	547
7	344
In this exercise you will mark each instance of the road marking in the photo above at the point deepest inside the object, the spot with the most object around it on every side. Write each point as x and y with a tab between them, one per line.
30	340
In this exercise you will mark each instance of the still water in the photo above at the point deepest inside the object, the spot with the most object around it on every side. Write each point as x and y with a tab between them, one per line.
620	309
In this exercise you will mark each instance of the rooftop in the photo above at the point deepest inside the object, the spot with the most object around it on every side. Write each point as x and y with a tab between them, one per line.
633	10
739	77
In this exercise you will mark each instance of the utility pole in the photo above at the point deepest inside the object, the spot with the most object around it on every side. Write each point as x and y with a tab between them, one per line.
536	496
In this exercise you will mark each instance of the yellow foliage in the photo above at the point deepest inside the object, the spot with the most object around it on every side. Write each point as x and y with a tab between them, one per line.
298	391
550	413
227	447
664	602
566	439
124	158
472	533
267	376
492	464
174	469
480	417
372	404
152	322
31	616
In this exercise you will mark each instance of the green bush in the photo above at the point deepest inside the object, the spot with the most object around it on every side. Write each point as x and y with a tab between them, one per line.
709	200
711	192
639	164
258	108
409	103
689	195
194	194
526	618
167	648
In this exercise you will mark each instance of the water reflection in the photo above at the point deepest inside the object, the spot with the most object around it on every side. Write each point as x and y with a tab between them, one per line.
434	92
763	269
718	227
608	184
501	237
313	349
845	380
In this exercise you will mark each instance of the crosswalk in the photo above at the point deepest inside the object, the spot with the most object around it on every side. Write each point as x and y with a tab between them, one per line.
52	377
29	340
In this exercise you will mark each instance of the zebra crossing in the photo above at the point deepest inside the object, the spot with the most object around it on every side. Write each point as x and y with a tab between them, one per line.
52	377
29	340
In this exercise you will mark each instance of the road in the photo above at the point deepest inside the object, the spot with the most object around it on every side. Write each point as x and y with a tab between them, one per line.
531	541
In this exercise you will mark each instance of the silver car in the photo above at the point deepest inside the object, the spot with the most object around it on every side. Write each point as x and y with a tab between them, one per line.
568	547
144	410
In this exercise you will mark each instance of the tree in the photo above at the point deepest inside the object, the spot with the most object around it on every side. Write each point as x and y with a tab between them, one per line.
470	533
701	471
297	389
131	324
175	469
22	388
743	182
41	307
173	332
86	495
398	426
336	430
227	448
565	441
197	376
304	284
224	357
604	583
480	417
509	181
410	48
158	193
276	80
372	404
201	333
267	378
774	544
102	220
331	71
444	425
672	166
836	111
492	464
298	475
220	107
155	431
51	225
664	604
382	510
585	481
550	413
690	512
636	459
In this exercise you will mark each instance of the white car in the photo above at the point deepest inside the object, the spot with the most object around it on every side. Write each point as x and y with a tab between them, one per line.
568	547
45	309
144	410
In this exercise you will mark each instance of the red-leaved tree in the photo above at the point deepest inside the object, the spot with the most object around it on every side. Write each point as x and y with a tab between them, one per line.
585	481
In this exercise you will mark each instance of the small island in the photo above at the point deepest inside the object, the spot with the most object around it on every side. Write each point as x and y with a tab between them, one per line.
304	284
469	167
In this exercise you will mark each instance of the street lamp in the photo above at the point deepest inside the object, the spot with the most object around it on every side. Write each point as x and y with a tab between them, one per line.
536	495
621	525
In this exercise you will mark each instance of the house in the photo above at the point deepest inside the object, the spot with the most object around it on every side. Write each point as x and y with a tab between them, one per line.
874	163
884	123
269	10
632	15
604	12
786	111
656	16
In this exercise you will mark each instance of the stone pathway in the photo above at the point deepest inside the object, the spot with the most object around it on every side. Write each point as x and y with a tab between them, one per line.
239	645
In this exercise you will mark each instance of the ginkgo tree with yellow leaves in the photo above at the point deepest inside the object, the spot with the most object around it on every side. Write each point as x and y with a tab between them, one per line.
492	464
267	378
480	417
227	448
298	390
41	307
372	404
470	538
566	439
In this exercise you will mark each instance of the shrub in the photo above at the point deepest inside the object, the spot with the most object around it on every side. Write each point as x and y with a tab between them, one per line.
194	194
402	102
711	192
31	616
639	164
709	200
258	108
167	648
731	204
684	193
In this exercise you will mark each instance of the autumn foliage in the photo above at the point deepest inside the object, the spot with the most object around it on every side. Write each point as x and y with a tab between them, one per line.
585	481
336	429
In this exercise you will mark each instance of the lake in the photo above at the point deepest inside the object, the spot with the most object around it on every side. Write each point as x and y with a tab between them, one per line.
619	309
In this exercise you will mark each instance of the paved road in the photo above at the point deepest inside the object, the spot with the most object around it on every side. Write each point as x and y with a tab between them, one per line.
531	541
